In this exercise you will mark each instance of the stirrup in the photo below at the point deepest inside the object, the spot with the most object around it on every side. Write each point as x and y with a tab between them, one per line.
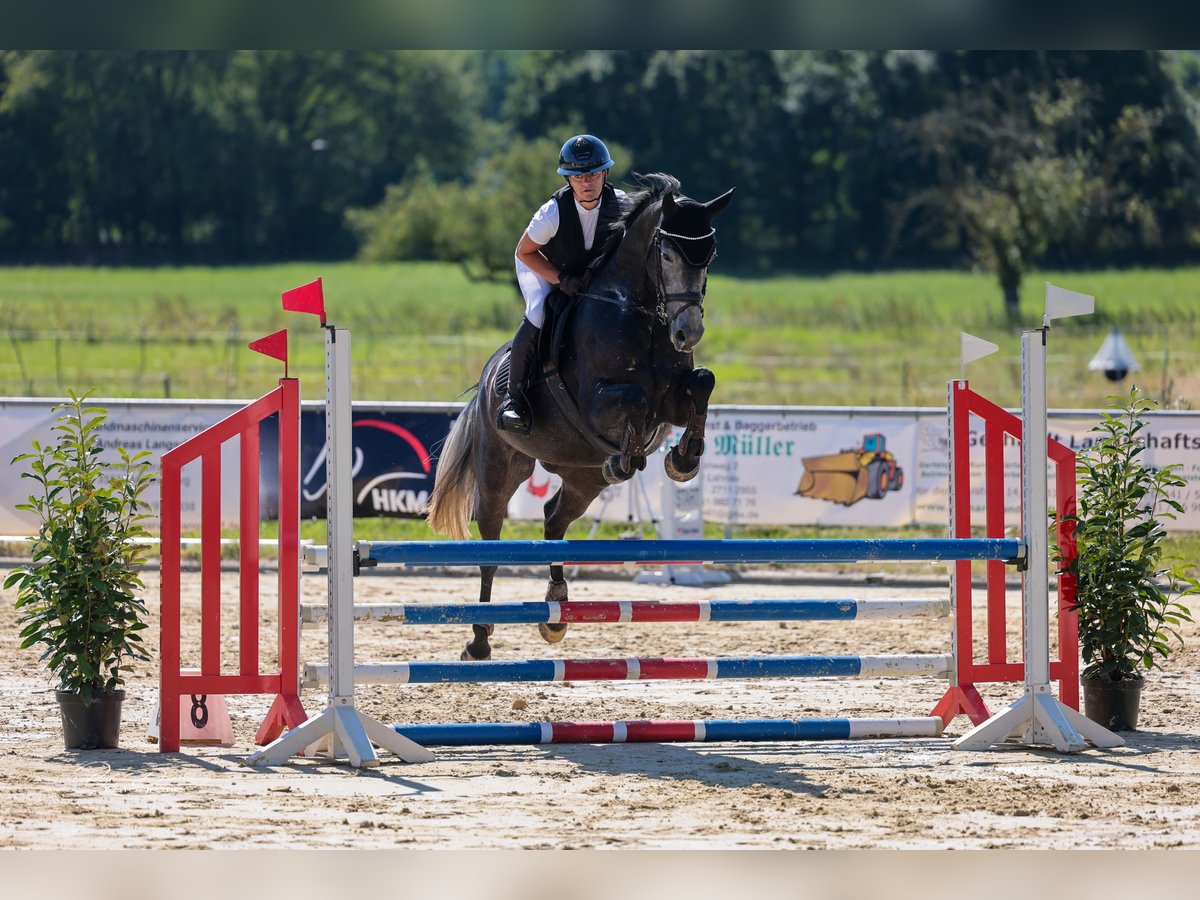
512	417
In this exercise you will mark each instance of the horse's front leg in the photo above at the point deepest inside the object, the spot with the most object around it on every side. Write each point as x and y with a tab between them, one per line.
622	409
579	488
682	462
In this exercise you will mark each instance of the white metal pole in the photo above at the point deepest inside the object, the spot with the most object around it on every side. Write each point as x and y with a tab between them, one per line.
1038	717
1034	509
340	515
341	730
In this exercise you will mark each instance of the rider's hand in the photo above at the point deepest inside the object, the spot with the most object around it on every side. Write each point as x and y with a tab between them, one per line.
571	285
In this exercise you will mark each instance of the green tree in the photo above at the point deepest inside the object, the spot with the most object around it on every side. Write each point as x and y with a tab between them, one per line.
842	158
846	162
311	134
475	224
1003	180
161	155
1077	157
120	140
710	118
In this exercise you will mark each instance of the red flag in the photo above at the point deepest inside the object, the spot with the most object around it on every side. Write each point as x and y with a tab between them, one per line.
273	345
308	298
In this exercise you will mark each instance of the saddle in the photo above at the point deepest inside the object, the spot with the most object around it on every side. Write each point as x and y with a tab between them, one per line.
559	310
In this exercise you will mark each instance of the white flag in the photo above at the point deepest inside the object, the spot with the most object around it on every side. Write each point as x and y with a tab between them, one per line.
974	348
1061	303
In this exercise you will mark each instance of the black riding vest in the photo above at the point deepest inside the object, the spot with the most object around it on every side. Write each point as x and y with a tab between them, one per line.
566	249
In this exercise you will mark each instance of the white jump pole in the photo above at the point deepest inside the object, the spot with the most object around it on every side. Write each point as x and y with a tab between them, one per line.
1038	718
341	731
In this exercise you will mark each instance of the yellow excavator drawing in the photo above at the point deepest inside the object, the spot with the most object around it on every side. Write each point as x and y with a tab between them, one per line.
866	471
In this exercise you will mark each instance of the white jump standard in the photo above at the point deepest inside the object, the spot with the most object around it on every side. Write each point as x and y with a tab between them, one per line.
341	730
1038	718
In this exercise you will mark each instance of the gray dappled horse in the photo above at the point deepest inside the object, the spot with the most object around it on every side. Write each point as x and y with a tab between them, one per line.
622	377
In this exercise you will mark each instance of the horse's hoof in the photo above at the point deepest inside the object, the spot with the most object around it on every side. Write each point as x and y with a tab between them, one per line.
556	591
613	473
467	656
675	469
552	633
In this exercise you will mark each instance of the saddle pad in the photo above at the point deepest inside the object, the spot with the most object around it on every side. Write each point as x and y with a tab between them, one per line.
500	381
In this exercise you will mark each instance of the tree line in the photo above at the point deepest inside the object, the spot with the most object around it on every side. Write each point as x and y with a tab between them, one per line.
842	160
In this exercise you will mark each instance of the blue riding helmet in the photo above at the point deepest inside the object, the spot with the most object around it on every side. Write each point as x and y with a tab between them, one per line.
582	155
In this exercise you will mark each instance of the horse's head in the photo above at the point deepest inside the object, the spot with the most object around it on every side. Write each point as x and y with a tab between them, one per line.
683	247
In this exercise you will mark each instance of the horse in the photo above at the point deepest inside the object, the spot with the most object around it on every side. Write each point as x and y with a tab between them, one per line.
622	377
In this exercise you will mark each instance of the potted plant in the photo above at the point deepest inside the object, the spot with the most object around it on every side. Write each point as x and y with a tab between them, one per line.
1128	592
79	594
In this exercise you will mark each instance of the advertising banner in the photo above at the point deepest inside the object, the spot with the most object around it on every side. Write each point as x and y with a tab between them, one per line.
1172	438
392	467
762	465
825	468
136	425
392	463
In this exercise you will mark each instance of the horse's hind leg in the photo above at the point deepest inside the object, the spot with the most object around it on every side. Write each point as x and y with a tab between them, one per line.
479	647
579	488
490	512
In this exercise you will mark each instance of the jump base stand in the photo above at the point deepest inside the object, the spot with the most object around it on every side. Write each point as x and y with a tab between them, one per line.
1038	718
341	731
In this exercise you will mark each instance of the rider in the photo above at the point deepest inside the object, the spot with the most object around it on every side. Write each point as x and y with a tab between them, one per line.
553	254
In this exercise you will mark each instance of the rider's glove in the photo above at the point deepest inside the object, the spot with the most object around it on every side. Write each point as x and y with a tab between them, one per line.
571	285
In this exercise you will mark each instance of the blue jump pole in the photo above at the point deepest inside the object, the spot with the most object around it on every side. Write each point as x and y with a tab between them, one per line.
644	669
685	731
731	552
593	611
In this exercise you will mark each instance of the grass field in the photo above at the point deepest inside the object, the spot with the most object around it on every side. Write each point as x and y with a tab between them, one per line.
422	332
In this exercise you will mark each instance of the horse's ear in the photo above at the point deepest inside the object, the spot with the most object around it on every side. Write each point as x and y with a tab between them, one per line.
717	205
669	205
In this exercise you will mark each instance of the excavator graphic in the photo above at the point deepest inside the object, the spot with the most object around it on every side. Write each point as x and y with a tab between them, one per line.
866	471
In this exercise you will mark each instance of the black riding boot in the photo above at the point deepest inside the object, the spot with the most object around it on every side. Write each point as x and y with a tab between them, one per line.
514	414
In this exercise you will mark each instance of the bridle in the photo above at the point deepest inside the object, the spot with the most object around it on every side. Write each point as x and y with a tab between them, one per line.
689	250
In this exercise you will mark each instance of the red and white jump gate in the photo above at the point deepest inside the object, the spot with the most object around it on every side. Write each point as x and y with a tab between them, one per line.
283	681
963	696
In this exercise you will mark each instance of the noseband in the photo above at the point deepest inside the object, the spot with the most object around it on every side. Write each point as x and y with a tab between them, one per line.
689	249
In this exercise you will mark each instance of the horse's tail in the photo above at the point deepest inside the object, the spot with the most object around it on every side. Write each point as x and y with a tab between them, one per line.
453	502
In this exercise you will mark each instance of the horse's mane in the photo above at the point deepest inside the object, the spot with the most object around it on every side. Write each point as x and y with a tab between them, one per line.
655	186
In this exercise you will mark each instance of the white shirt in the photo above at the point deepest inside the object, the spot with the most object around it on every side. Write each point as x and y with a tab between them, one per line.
542	227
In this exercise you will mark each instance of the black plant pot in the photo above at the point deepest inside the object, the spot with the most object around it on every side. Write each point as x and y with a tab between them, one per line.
1113	704
91	726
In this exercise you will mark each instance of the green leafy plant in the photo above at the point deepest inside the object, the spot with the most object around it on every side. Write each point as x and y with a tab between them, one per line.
78	596
1129	593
